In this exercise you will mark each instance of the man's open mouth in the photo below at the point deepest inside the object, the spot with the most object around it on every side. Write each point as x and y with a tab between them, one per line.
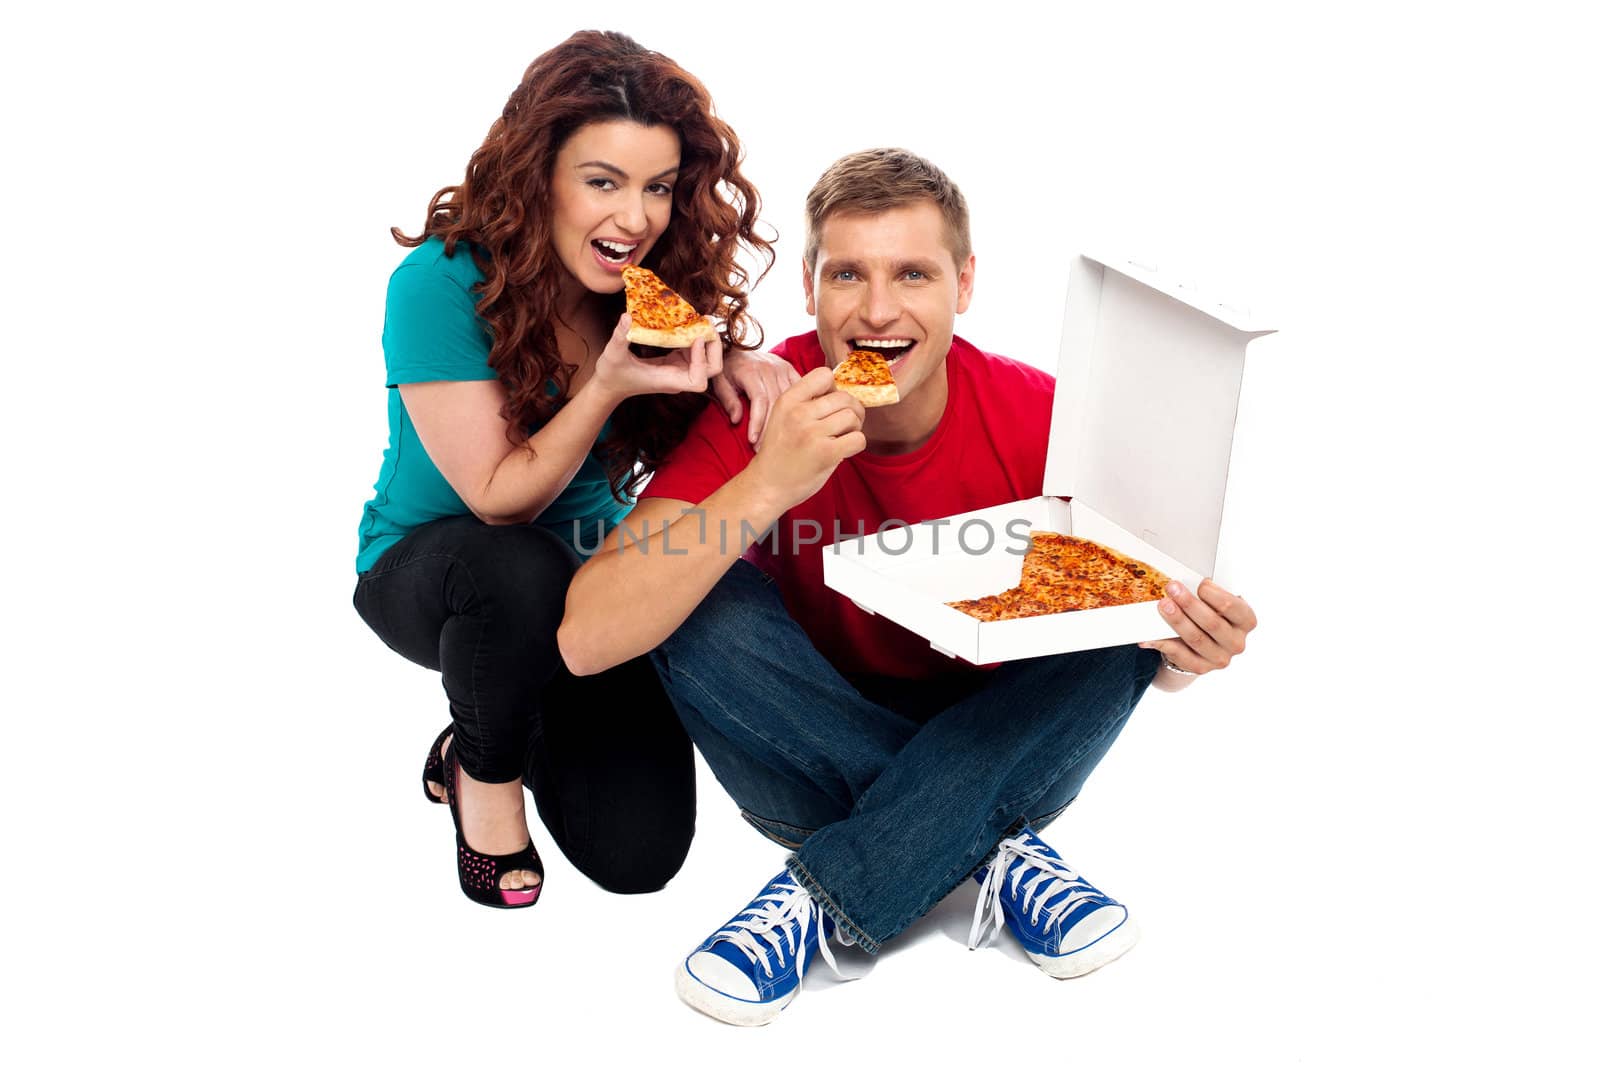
892	350
614	251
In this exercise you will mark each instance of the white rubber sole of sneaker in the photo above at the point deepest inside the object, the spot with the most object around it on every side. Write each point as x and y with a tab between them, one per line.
1108	948
726	1008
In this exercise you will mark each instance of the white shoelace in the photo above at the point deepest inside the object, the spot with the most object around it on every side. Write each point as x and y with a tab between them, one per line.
1015	858
781	918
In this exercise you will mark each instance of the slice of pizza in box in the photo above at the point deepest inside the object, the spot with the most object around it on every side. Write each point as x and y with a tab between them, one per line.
1147	391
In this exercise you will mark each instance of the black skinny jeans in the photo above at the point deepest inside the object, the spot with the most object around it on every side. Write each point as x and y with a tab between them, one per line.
610	768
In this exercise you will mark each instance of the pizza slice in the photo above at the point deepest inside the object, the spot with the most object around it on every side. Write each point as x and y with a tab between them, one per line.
1003	606
866	376
1065	573
661	317
1055	558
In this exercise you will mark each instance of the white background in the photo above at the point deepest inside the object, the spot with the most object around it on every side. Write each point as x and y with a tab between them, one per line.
1370	839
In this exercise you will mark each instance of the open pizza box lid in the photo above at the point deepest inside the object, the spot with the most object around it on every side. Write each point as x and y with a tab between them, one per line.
1148	380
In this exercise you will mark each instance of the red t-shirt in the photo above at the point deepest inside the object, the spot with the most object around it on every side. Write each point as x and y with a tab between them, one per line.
989	449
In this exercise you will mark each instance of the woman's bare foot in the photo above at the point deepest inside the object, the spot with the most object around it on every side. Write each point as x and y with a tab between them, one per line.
493	820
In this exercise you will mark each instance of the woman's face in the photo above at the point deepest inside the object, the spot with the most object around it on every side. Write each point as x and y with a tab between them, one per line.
611	194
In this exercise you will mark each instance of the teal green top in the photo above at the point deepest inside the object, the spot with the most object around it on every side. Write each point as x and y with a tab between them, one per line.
432	332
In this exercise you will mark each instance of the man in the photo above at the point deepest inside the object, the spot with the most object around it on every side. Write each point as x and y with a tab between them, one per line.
892	772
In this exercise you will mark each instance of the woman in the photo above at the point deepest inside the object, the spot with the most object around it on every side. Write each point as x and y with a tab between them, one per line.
519	424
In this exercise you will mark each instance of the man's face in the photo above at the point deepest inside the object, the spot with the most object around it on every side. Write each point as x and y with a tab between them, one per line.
888	281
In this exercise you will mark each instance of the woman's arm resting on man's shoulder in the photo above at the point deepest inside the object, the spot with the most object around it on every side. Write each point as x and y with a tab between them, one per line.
760	376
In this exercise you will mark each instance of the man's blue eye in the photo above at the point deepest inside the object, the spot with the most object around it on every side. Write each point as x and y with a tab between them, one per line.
915	275
845	275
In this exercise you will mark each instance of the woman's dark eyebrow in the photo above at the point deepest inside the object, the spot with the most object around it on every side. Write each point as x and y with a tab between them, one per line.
621	173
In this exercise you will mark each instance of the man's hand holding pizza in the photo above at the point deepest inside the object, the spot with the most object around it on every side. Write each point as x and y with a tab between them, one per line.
1211	628
812	428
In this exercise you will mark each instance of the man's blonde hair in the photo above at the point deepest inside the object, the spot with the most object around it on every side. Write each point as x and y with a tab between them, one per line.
882	179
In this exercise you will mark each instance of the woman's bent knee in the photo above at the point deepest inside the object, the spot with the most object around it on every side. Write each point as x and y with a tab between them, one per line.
641	870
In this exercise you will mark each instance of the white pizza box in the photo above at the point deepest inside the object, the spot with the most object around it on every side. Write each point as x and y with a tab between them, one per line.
1147	389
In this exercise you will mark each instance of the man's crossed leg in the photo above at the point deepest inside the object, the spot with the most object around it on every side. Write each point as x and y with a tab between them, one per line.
888	808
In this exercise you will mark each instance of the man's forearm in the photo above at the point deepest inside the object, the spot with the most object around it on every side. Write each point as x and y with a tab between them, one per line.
635	592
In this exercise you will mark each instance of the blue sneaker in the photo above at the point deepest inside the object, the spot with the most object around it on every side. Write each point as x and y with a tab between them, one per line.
751	967
1064	923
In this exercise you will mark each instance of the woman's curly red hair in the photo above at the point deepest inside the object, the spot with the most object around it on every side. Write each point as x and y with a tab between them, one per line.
502	210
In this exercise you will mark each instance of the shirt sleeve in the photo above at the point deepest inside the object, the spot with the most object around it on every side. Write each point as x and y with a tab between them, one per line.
431	329
709	457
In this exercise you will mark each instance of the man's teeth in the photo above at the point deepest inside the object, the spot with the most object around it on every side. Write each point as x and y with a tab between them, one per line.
891	349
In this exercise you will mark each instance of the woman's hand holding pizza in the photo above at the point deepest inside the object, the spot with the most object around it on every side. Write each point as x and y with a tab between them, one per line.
622	374
812	428
1211	627
762	377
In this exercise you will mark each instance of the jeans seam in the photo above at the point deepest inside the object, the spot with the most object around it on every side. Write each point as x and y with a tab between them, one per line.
1078	754
375	572
1051	815
955	878
477	654
956	881
477	646
810	770
760	824
1020	820
809	882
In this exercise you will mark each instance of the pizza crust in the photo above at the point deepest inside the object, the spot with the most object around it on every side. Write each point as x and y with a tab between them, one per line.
681	337
873	395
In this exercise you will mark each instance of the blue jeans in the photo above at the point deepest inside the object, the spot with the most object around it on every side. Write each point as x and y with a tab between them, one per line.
889	803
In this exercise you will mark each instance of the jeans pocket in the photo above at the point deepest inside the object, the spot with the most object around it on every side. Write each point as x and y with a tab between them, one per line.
790	836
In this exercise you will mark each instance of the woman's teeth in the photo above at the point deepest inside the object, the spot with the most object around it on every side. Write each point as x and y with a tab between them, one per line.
613	250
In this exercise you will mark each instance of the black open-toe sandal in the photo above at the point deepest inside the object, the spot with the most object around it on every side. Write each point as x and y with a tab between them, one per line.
480	873
433	768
